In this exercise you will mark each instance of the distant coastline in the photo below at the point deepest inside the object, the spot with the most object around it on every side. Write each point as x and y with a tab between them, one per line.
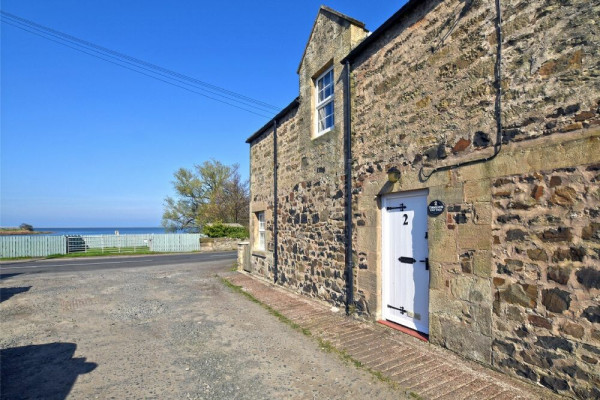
103	231
10	232
84	231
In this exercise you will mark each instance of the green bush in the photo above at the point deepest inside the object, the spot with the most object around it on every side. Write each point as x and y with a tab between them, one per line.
219	230
26	227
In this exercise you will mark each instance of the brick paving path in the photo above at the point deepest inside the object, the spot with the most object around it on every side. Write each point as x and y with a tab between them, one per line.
427	370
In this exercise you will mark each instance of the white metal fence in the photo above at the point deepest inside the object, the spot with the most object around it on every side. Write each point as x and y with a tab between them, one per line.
31	246
41	246
175	243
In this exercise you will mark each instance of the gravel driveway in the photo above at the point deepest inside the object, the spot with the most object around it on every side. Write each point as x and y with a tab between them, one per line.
168	332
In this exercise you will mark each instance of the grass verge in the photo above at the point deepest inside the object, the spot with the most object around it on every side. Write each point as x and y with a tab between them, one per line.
123	251
324	344
93	253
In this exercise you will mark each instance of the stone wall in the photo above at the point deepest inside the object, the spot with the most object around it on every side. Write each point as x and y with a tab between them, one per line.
261	200
310	175
514	257
546	227
424	96
219	244
426	89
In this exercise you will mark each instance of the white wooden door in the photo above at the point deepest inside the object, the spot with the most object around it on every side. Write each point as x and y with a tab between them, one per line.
405	269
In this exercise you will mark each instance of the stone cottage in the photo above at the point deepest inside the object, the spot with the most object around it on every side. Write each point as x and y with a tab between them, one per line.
441	174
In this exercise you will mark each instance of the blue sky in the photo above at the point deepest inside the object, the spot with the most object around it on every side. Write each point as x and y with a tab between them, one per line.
88	143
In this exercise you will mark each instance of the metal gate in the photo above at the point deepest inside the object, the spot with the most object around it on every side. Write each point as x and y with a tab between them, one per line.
108	243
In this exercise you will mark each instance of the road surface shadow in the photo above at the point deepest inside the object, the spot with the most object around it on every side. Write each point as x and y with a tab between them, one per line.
44	371
8	292
4	276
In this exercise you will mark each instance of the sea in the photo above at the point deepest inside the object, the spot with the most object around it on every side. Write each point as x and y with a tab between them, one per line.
100	231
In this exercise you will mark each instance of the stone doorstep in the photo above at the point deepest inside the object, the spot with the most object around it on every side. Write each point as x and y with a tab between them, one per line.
421	336
414	364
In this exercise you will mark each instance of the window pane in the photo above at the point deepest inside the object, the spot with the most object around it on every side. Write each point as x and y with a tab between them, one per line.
325	118
329	122
324	107
327	78
261	230
329	108
325	87
321	119
321	113
325	93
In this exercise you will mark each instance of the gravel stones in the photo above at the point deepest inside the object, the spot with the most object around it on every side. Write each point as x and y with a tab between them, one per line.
160	332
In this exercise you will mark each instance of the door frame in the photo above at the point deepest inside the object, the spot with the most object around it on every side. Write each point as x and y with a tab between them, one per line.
386	245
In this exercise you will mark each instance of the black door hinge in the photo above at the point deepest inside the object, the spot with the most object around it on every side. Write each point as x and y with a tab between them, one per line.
407	260
401	207
401	309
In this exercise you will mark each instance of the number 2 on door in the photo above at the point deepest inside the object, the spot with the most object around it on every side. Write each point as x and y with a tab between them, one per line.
405	219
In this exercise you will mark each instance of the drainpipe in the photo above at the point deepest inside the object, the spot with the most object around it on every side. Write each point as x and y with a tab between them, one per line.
497	107
275	204
348	211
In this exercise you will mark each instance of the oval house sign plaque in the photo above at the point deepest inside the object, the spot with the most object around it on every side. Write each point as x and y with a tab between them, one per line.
435	208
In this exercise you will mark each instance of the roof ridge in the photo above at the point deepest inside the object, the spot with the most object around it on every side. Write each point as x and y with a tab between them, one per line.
360	24
333	12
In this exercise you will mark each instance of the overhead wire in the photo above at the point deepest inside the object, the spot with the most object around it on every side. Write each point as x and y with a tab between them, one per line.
143	73
87	47
147	69
117	54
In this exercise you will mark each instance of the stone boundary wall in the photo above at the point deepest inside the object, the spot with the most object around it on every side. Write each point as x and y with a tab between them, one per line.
219	244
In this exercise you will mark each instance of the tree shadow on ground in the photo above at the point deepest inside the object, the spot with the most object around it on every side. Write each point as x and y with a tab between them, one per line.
8	292
44	371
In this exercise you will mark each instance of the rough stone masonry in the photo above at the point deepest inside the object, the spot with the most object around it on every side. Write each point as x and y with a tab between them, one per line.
515	256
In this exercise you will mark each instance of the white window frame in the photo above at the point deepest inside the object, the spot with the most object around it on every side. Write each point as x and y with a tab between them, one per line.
323	103
261	230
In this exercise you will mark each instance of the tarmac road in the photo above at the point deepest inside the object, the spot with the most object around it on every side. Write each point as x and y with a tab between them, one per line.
101	263
170	331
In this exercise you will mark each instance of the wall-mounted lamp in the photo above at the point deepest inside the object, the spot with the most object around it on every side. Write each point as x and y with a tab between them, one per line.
393	175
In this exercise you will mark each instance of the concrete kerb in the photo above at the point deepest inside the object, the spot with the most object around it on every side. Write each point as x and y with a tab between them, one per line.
391	366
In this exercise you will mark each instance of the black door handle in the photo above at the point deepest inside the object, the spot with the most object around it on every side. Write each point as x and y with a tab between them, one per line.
407	260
